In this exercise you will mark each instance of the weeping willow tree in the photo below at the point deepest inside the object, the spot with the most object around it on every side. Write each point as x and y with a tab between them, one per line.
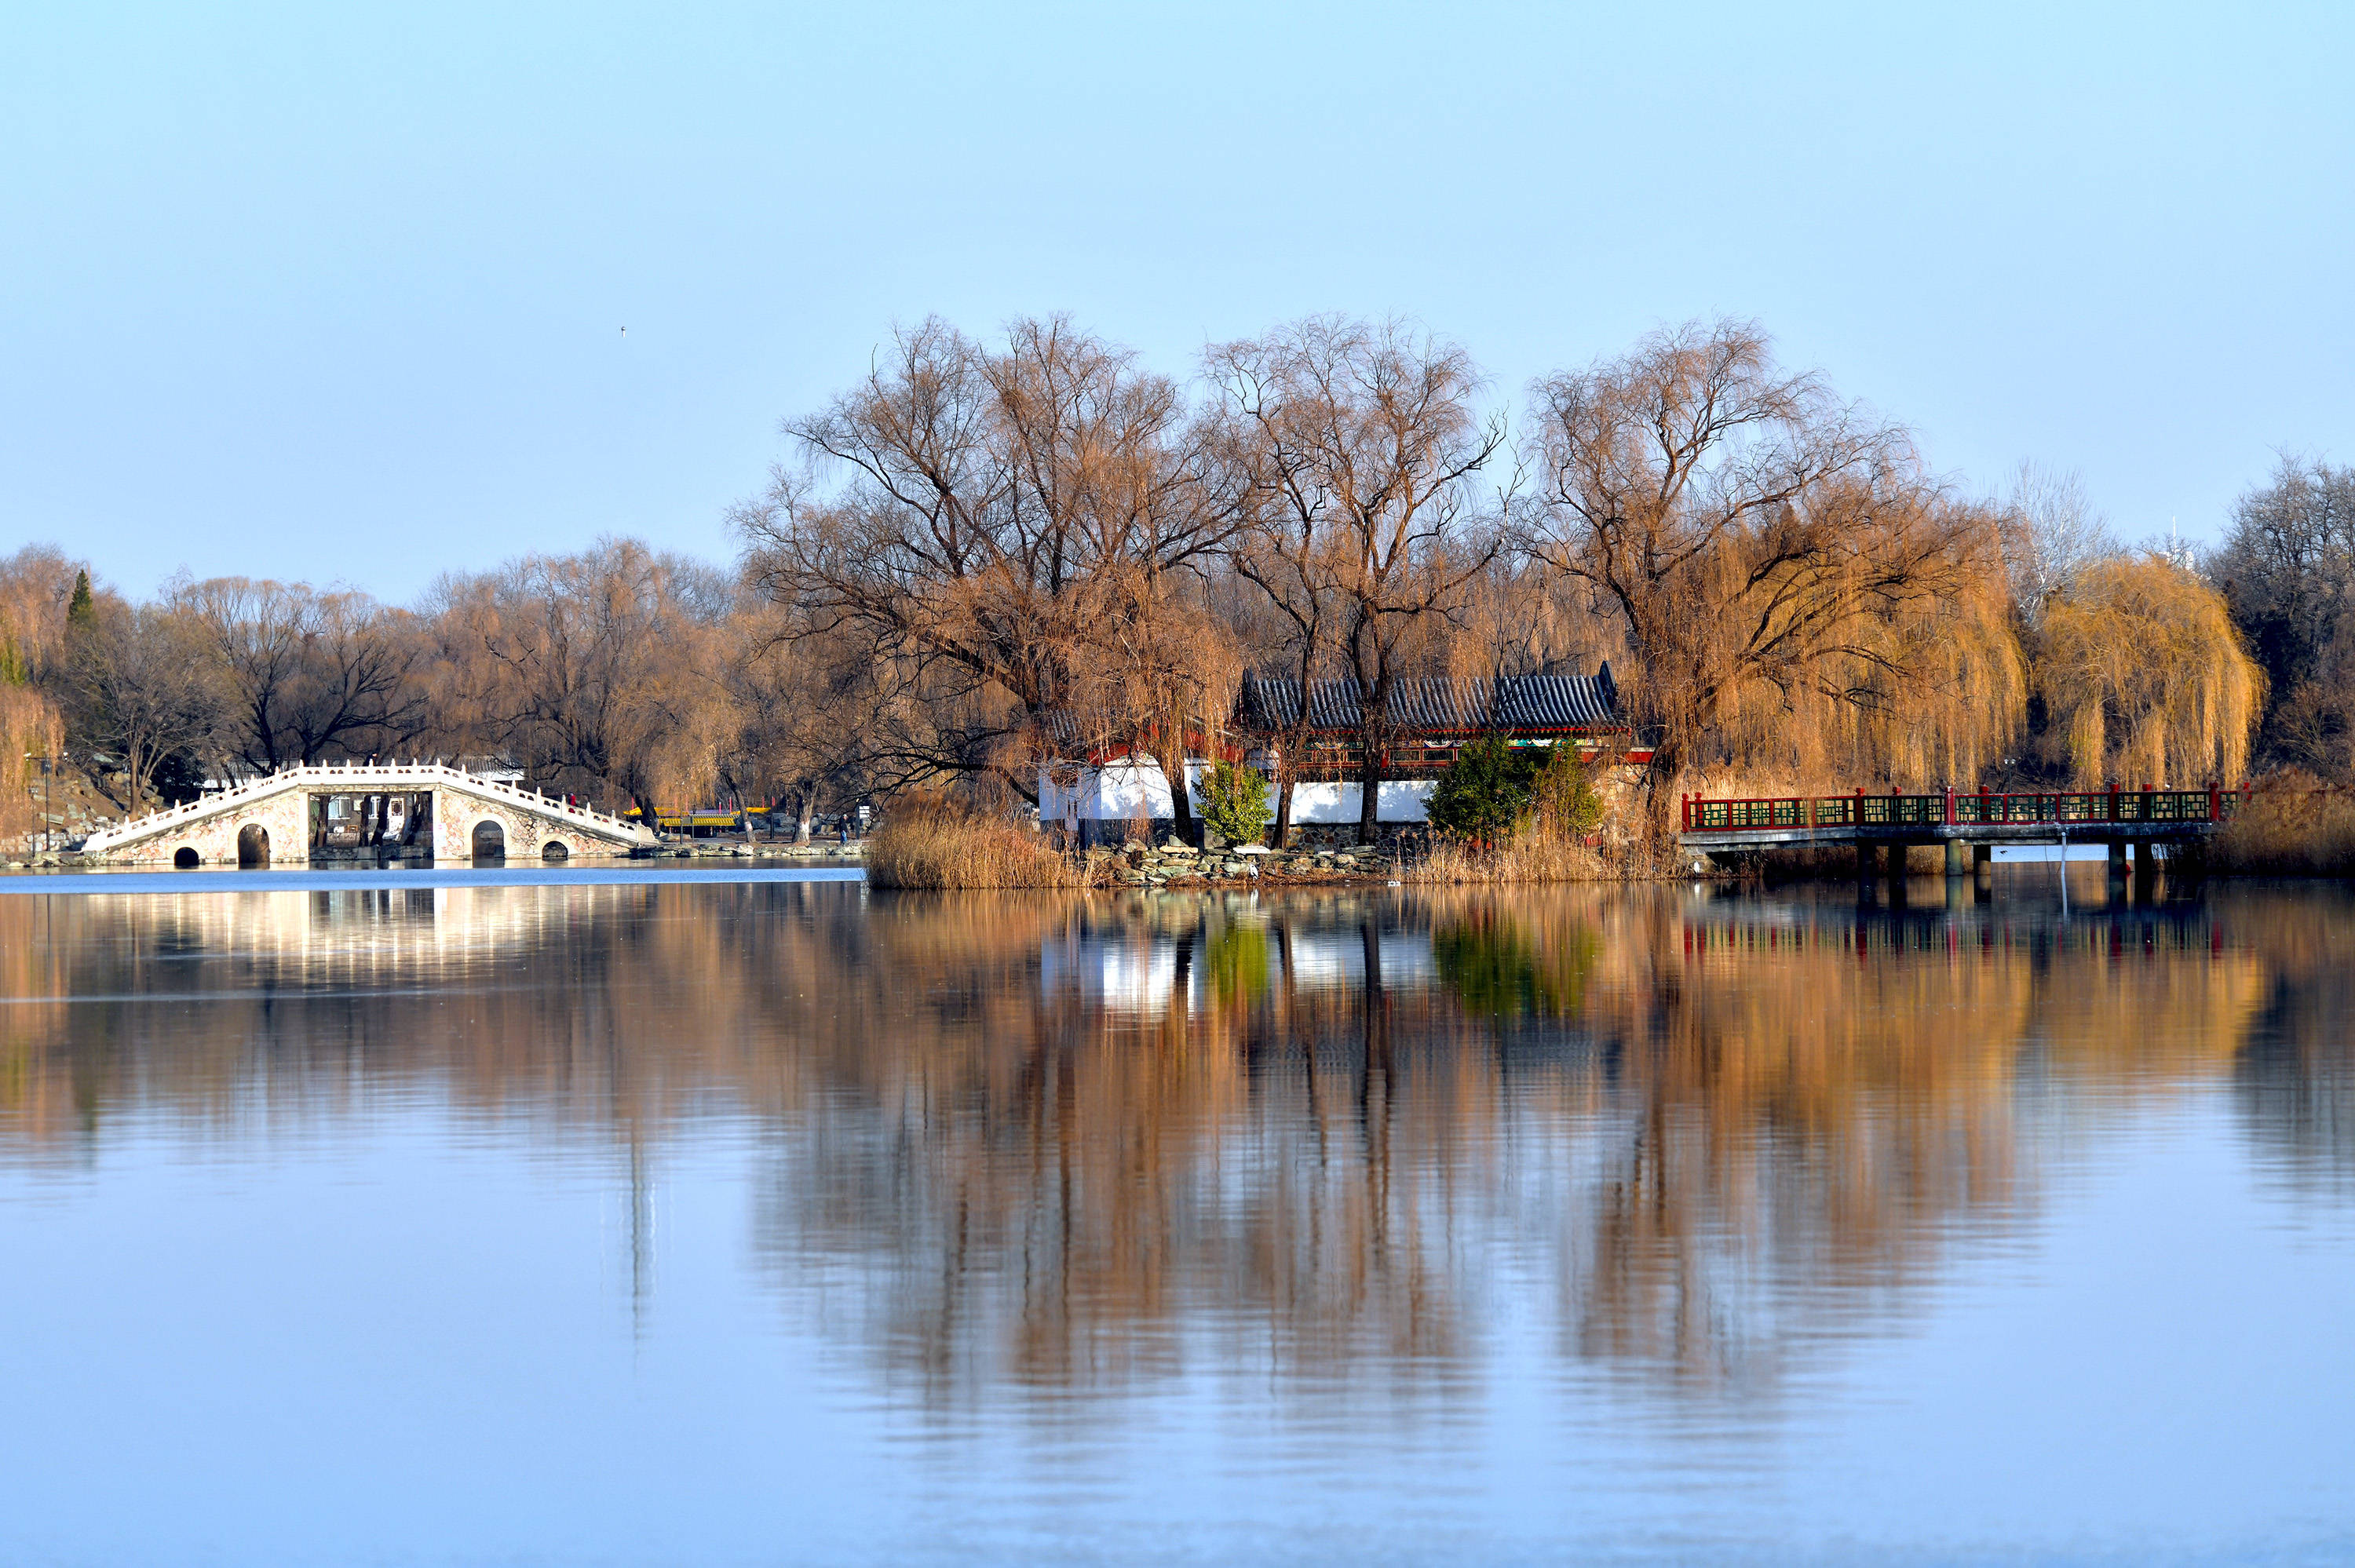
2144	677
1926	689
1798	594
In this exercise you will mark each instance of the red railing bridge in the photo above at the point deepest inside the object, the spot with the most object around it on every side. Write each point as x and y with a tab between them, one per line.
2117	816
1952	813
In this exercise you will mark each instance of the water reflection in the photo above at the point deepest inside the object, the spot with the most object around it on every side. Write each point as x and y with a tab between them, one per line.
1057	1148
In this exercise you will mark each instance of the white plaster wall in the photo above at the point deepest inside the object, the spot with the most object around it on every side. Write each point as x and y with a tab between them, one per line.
1401	800
1121	789
1126	789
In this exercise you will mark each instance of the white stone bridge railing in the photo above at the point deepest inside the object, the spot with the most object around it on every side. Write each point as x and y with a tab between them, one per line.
364	778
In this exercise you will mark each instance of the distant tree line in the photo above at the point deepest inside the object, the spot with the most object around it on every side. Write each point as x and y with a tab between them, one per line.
983	558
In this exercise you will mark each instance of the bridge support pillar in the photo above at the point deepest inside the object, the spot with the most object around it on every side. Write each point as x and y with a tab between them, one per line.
1983	865
1954	857
2145	870
2117	860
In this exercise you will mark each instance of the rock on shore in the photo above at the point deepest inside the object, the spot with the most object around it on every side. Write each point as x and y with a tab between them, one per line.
1174	862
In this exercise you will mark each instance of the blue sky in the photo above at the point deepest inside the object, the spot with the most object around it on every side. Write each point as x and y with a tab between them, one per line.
335	293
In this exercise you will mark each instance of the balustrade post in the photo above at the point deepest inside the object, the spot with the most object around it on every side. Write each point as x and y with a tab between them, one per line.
2215	801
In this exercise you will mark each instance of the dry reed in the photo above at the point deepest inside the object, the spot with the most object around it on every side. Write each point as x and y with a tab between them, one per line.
1526	856
931	842
2292	824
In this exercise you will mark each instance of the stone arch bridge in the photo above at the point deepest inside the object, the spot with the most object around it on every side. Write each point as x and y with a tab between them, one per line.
411	808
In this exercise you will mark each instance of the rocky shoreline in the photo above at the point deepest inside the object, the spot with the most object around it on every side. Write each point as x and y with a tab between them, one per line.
1175	864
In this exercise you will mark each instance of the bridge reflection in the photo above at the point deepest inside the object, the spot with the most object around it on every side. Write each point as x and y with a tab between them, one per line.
1050	1144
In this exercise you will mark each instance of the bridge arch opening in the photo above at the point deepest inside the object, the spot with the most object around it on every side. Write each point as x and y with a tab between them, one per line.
252	846
185	859
554	849
490	843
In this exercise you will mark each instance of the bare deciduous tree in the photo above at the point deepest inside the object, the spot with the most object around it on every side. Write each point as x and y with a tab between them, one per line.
314	674
2051	534
1369	453
1748	527
2287	569
995	505
600	673
142	692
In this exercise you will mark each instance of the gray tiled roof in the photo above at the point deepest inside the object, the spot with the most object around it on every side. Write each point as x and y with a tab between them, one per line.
1518	702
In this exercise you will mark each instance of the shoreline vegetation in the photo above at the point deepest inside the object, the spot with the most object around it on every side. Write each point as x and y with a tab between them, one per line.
2291	825
2284	834
989	565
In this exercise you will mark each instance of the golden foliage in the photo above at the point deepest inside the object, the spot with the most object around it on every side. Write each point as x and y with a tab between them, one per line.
1929	687
2145	678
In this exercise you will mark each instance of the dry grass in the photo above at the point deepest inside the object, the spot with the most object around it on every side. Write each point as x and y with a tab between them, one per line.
1525	857
2292	825
931	842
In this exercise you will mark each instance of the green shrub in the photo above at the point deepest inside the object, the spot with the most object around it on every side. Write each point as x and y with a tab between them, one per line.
1562	796
1234	802
1485	790
1494	787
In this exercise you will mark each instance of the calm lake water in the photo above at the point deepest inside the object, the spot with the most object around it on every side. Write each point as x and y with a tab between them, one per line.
361	1219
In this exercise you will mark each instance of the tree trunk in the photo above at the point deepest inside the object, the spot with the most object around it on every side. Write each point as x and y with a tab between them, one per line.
1281	837
1181	805
1667	763
1370	794
806	798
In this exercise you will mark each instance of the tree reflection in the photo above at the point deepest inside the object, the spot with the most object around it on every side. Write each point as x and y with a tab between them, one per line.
1059	1145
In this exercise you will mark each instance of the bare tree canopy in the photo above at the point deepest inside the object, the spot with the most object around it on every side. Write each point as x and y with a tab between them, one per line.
1749	528
600	673
975	516
309	674
2288	570
1369	453
141	693
2052	534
